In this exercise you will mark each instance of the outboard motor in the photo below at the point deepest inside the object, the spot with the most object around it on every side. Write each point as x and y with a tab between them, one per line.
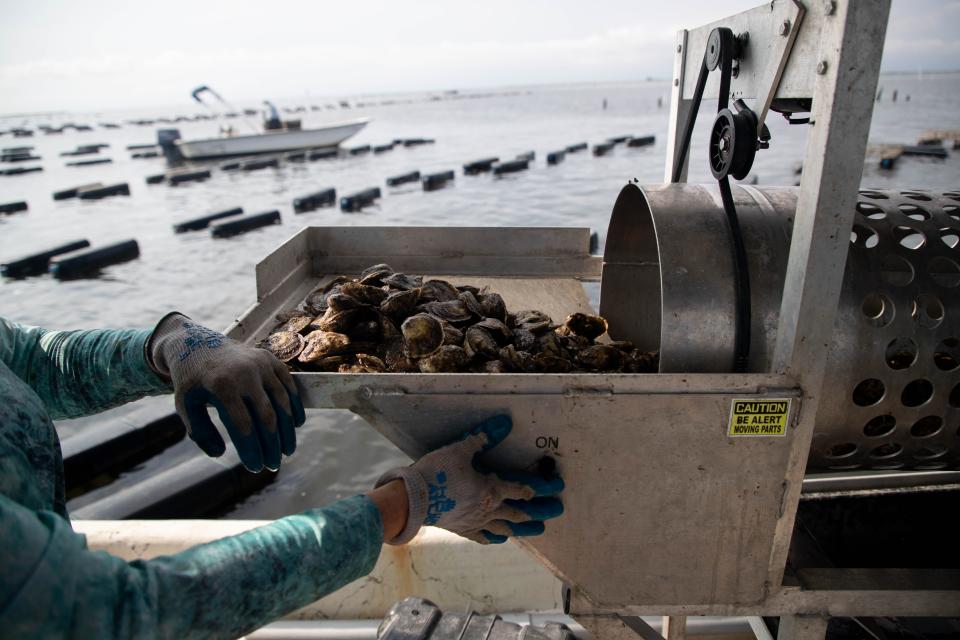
166	139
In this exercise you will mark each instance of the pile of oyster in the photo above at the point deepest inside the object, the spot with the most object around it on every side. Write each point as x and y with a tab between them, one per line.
389	322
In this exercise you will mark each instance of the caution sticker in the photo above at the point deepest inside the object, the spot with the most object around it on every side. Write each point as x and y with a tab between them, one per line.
759	417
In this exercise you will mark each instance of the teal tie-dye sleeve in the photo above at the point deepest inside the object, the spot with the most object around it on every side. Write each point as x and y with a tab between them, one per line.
78	373
52	586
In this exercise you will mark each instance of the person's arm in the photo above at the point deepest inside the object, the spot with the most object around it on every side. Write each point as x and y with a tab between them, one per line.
77	373
391	501
53	586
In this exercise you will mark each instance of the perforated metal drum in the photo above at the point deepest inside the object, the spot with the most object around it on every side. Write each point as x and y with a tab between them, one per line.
891	396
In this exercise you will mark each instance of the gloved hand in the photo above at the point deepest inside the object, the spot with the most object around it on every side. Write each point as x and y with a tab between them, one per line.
450	488
252	391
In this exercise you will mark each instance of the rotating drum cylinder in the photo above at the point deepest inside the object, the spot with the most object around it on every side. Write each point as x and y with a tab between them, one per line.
891	396
668	272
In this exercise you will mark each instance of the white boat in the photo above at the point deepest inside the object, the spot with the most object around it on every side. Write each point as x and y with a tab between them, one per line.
273	141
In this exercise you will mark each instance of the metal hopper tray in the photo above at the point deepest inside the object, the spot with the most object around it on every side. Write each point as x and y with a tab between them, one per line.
532	268
640	453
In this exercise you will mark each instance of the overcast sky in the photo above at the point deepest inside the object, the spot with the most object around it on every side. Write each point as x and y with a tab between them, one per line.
77	55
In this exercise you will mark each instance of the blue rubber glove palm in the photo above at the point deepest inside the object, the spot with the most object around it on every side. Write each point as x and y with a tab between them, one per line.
450	488
252	391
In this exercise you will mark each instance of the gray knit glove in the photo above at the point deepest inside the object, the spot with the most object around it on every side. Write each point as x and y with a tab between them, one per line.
450	488
253	392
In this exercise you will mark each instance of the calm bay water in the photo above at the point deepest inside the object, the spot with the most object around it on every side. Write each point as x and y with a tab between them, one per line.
213	280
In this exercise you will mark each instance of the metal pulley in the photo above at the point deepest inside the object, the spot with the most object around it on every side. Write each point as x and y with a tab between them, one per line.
734	142
721	44
735	135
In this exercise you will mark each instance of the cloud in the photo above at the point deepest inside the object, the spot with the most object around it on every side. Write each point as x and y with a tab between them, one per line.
361	67
369	46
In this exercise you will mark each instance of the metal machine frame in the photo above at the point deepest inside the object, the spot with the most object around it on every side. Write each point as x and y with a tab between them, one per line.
726	507
829	52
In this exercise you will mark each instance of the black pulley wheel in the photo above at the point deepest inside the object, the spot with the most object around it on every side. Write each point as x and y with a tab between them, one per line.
714	49
720	42
733	145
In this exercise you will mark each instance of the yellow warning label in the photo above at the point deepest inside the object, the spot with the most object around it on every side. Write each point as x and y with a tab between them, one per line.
759	417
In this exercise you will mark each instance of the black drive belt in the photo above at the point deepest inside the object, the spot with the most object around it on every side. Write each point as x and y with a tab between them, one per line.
729	130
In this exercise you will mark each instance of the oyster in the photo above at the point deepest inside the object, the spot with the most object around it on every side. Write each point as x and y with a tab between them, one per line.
500	332
364	293
285	345
493	306
422	335
524	340
452	311
640	361
371	364
590	327
448	358
552	344
296	324
438	290
601	357
336	321
374	275
552	364
479	343
532	321
386	321
517	360
388	330
342	302
400	304
452	335
573	343
316	301
403	281
391	352
320	344
284	316
473	305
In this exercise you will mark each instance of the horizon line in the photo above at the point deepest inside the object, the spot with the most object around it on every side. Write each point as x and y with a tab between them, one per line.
893	72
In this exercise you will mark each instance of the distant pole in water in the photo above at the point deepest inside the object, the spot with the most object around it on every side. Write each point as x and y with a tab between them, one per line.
660	103
604	103
906	98
893	96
